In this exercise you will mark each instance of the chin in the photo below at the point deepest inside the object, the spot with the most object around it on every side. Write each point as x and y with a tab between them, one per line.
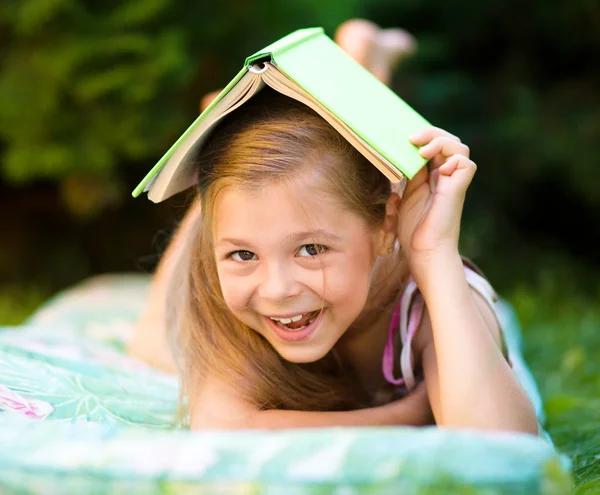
300	355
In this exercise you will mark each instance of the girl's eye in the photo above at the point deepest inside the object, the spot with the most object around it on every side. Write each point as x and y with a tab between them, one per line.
242	255
313	249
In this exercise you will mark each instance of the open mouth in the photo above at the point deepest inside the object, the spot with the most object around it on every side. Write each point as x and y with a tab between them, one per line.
298	322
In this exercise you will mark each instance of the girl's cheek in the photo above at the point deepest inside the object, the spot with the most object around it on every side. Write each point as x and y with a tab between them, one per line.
231	291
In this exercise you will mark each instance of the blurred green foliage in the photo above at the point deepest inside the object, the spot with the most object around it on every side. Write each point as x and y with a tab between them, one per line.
78	87
92	93
85	86
17	302
518	82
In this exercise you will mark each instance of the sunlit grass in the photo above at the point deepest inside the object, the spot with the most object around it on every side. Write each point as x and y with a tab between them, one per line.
562	346
18	301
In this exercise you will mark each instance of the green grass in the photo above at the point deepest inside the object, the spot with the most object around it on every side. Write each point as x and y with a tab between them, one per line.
18	301
562	347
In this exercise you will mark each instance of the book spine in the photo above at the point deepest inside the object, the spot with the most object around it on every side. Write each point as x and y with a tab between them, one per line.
284	45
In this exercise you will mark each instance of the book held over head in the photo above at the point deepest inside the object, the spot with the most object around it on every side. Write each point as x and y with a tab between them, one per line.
307	66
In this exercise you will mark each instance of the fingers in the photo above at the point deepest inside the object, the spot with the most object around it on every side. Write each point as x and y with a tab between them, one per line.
457	162
426	135
446	154
458	166
437	144
444	145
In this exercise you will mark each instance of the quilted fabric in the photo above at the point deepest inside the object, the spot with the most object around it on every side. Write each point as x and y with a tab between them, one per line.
112	425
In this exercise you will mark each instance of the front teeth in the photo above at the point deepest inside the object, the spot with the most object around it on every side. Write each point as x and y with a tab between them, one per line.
285	321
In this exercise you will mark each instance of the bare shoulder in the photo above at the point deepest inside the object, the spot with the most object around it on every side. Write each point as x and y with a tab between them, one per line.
216	405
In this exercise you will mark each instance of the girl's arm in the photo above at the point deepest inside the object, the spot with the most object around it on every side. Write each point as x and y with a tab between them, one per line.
470	383
218	407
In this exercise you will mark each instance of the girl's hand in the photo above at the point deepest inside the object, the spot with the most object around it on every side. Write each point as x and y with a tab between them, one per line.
431	209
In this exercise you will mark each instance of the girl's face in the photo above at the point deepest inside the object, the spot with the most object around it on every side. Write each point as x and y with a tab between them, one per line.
285	252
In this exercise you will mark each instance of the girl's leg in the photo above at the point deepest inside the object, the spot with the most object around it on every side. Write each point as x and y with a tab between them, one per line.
150	342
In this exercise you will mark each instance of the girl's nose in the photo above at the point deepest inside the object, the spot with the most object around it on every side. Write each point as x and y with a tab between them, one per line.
278	283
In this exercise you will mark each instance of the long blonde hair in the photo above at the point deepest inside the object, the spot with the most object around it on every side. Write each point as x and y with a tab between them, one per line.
270	139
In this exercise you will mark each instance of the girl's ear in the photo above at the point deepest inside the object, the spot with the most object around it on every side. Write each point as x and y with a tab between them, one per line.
389	230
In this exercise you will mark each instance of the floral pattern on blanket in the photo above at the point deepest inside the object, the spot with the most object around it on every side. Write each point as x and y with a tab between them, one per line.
70	355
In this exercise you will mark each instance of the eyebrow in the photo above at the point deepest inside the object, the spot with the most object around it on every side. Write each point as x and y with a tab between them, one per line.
294	238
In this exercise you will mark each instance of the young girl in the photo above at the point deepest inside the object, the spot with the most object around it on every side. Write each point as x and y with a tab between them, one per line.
307	291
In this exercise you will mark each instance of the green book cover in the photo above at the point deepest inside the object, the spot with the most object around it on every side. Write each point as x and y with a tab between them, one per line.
320	67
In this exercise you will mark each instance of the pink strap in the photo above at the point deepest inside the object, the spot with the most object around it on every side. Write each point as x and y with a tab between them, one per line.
388	351
407	318
399	318
406	360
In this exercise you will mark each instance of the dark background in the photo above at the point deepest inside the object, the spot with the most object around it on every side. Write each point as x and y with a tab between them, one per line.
92	93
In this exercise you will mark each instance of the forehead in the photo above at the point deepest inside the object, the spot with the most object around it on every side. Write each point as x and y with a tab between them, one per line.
279	209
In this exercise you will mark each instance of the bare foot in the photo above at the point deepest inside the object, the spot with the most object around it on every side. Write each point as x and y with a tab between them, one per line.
208	98
391	47
380	51
357	38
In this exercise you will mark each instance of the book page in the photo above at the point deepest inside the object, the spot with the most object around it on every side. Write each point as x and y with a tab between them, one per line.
178	173
281	83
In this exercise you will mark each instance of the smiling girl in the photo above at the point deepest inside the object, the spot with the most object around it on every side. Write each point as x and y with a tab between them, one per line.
305	285
302	288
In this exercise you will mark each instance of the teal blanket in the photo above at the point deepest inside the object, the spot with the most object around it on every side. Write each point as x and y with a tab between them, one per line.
111	426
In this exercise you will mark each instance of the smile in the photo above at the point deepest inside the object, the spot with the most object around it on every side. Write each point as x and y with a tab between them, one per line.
296	322
298	330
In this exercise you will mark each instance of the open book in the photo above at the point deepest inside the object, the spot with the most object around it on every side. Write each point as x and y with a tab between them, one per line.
308	66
